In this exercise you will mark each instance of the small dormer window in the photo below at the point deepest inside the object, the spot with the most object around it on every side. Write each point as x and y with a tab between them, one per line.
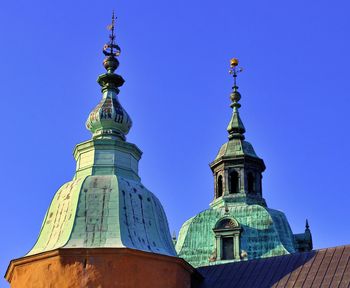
219	187
227	234
234	184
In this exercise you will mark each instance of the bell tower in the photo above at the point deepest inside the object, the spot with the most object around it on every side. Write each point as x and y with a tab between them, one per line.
237	170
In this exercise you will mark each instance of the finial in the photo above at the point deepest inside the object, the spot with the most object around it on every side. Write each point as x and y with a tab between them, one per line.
111	49
234	70
307	225
109	120
174	235
235	127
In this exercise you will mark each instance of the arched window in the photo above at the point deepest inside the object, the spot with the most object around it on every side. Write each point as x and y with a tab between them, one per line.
250	183
219	187
234	185
227	233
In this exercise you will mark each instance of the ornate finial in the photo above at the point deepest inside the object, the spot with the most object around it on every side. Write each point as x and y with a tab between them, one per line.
235	127
111	49
108	49
234	70
109	120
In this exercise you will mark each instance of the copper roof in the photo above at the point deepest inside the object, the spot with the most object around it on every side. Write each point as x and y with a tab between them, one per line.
320	268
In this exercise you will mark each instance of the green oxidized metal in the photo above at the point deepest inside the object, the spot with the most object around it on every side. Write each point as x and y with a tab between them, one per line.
265	233
257	231
106	205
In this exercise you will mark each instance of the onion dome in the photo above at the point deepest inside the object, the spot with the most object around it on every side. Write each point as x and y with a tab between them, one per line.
109	119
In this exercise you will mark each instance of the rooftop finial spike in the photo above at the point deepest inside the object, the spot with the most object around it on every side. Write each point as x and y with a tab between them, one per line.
109	120
234	70
307	225
111	49
112	36
235	128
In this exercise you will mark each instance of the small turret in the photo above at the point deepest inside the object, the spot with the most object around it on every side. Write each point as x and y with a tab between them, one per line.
237	169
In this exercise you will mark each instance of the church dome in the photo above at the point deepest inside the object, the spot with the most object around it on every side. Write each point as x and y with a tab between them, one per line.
105	211
263	232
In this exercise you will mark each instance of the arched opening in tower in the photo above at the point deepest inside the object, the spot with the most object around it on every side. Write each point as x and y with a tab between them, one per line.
219	194
234	187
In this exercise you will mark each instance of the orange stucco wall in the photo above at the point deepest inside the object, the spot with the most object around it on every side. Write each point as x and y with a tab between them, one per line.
99	268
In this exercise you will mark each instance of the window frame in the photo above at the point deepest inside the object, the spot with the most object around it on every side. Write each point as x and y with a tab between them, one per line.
222	232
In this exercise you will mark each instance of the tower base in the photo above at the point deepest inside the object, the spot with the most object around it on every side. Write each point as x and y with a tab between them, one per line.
99	268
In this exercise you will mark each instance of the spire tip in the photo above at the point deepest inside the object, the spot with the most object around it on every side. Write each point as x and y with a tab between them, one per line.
235	128
111	49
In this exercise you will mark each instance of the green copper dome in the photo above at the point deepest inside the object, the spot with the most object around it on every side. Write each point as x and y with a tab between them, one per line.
263	233
236	148
105	211
106	205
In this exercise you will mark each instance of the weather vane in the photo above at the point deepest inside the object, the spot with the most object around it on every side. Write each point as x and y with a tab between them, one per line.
234	70
111	49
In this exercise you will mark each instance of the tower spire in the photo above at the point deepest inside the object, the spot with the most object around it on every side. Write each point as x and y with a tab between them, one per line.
111	27
111	50
235	127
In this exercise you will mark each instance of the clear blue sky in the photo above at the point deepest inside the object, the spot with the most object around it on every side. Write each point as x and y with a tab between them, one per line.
175	57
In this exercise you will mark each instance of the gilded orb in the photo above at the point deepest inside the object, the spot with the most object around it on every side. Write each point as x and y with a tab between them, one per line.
235	96
234	62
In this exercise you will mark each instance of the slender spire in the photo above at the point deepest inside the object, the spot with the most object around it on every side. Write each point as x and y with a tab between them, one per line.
235	128
111	49
307	225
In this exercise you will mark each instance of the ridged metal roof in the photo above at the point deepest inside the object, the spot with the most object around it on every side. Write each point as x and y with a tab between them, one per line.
321	268
105	211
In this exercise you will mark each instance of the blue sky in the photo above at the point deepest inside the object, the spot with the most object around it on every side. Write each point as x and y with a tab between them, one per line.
175	58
